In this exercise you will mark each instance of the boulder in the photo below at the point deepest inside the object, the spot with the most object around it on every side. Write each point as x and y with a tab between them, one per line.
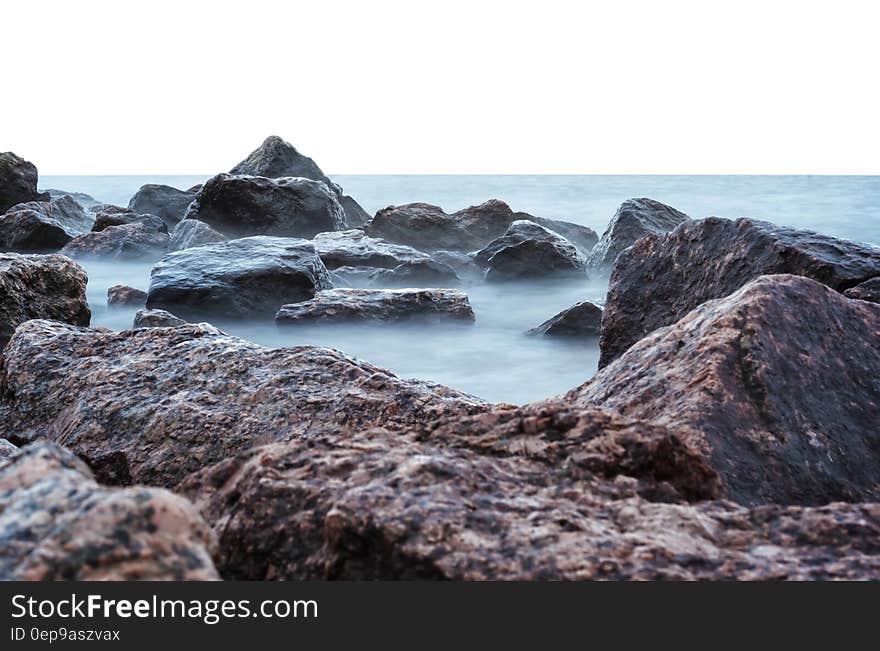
116	216
343	305
42	226
167	203
18	181
191	232
124	296
57	523
40	287
353	248
525	498
276	158
152	405
535	259
633	220
238	206
518	232
663	277
156	319
866	291
582	319
238	279
136	241
427	227
84	200
778	385
416	273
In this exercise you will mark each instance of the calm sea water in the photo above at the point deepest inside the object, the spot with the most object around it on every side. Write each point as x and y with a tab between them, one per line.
493	358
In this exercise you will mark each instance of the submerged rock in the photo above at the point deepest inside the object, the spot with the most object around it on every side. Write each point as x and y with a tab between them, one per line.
151	405
126	242
777	384
339	305
116	216
191	232
866	291
40	287
663	277
633	220
42	226
57	523
239	206
532	259
156	319
238	279
164	201
18	181
124	296
353	248
582	319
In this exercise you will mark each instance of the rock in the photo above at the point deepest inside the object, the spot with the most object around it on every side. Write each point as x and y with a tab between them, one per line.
355	216
580	320
663	277
191	232
518	232
427	227
417	273
353	276
353	248
116	216
156	319
127	242
107	207
167	203
123	296
40	287
57	523
633	220
6	450
238	279
42	226
152	405
84	200
239	206
777	384
340	305
18	182
866	291
535	259
389	505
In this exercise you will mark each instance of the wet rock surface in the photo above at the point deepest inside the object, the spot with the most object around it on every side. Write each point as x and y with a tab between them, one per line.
156	319
7	449
164	201
866	291
417	273
151	405
518	232
116	216
583	319
137	241
239	206
241	278
18	181
777	384
83	199
354	248
191	232
57	523
532	259
345	305
663	277
42	226
40	287
124	296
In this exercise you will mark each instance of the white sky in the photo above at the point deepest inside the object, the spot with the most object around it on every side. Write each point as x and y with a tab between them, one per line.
670	86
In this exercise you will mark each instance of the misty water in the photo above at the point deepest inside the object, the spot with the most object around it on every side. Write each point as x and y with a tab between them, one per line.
494	358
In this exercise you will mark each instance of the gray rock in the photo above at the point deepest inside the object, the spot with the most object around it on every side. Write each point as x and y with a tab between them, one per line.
116	216
353	248
83	199
18	182
580	320
535	259
866	291
156	319
6	449
340	305
136	241
42	226
518	232
417	273
167	203
192	232
124	296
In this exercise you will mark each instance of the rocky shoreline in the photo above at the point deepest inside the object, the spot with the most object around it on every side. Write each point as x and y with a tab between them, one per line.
732	432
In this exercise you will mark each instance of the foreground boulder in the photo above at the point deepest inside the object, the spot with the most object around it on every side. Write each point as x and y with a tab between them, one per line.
238	279
57	523
40	287
427	227
777	384
866	291
633	220
167	203
341	305
191	232
124	296
582	319
136	241
156	319
238	206
18	182
276	158
42	226
663	277
353	248
151	405
534	259
510	501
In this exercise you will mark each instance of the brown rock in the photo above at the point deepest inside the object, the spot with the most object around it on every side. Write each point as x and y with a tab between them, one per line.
126	242
867	291
123	296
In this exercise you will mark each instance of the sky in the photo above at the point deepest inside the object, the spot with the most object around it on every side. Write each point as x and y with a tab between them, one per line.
381	87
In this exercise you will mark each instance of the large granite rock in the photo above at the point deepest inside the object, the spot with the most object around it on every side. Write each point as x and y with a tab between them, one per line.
583	320
137	241
238	206
151	405
125	296
18	181
777	384
427	227
40	287
354	248
165	202
535	259
518	232
866	291
633	220
276	158
57	523
238	279
341	305
663	277
531	497
191	232
42	226
156	319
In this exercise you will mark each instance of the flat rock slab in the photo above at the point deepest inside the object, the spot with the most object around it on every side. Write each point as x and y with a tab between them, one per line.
345	305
